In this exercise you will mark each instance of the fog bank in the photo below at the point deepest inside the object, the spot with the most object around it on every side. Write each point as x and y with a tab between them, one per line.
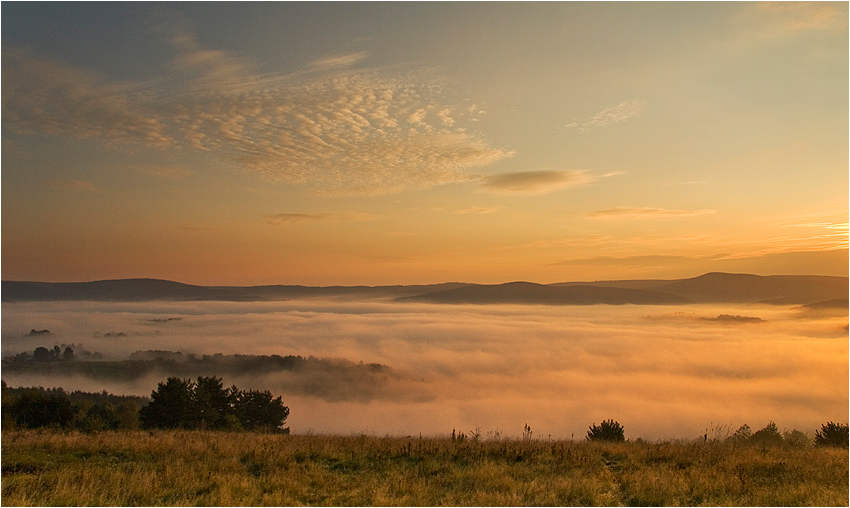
661	371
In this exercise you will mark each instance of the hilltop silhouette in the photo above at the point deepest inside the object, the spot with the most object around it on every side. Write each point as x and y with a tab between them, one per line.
712	287
527	292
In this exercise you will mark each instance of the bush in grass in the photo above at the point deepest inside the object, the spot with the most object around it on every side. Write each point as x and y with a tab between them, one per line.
742	435
608	430
768	436
796	438
832	434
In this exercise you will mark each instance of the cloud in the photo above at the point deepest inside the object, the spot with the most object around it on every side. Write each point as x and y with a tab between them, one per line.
775	19
196	228
530	183
282	219
165	173
625	212
837	226
341	60
610	115
648	260
478	210
558	369
41	96
74	185
338	131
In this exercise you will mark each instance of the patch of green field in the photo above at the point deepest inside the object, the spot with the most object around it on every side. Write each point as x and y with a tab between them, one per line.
242	469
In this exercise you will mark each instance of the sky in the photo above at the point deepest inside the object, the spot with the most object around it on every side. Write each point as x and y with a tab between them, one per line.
405	143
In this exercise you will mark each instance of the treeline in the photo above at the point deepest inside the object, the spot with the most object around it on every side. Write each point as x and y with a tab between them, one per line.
41	354
830	434
142	363
176	403
37	407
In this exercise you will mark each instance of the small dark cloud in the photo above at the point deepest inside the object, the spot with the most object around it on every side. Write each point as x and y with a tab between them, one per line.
529	183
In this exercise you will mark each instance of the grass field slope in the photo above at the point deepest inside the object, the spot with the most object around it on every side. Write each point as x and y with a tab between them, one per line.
179	468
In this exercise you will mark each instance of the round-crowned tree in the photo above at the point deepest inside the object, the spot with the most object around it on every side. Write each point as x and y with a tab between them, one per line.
260	410
170	406
212	404
608	430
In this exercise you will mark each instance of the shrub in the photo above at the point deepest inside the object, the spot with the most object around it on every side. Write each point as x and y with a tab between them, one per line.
768	436
796	438
39	408
742	435
608	430
832	434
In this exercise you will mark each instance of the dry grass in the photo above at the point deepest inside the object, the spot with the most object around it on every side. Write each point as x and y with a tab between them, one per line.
223	469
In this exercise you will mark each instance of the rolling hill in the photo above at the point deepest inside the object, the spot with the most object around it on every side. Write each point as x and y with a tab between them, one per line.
526	292
709	288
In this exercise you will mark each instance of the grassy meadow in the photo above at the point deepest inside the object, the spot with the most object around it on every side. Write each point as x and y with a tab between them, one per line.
48	468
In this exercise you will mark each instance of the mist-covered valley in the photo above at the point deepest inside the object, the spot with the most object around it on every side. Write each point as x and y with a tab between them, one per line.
663	371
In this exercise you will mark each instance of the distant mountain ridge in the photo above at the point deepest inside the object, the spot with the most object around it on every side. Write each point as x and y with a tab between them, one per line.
527	292
135	290
712	287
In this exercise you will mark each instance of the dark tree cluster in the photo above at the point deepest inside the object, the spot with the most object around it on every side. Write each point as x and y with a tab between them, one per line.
30	408
830	434
207	404
41	354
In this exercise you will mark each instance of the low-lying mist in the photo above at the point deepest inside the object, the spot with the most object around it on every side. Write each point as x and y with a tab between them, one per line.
661	371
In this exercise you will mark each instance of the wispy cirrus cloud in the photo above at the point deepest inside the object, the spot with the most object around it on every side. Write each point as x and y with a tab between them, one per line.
833	220
530	183
625	212
73	185
336	130
195	228
478	210
282	219
647	260
611	114
42	96
165	173
341	60
774	19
